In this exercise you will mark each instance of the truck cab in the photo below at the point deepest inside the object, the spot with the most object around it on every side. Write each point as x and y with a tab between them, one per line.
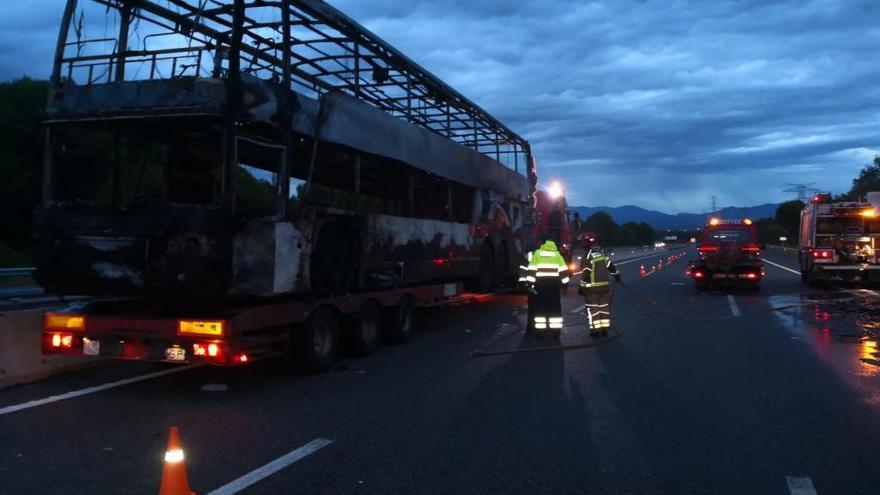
728	254
552	220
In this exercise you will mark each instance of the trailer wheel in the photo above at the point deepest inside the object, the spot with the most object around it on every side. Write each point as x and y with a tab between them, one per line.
317	341
486	276
399	321
502	264
362	338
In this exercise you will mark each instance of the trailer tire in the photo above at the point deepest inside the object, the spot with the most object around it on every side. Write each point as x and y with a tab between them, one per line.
362	338
399	321
502	263
486	275
317	341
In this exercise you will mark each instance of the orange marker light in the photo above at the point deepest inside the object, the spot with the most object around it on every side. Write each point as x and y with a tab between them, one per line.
196	327
869	213
60	321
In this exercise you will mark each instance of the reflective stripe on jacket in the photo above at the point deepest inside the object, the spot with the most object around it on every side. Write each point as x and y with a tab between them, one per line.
546	262
597	270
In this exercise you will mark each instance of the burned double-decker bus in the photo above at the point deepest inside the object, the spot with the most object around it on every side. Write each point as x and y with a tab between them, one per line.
204	149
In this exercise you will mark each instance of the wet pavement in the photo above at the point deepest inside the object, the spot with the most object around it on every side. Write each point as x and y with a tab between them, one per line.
842	327
702	392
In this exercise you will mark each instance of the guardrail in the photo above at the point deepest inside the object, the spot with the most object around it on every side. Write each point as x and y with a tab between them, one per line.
22	296
24	271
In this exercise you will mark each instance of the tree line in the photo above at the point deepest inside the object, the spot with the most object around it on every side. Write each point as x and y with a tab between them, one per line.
609	233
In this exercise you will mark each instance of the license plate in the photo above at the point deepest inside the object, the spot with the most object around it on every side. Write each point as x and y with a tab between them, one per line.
91	347
175	354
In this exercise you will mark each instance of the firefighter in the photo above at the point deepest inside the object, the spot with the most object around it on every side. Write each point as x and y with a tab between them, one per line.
546	272
595	286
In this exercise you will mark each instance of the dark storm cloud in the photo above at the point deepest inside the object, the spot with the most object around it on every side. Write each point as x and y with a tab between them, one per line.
656	103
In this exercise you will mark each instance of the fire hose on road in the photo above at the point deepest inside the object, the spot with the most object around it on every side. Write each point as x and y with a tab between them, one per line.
614	334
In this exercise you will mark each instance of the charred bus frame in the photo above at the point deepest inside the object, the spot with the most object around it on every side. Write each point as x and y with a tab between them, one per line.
270	90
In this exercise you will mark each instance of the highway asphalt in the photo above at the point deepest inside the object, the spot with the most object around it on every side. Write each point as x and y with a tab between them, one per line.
713	392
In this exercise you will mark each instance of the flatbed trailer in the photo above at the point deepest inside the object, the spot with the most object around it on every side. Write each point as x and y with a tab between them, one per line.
234	333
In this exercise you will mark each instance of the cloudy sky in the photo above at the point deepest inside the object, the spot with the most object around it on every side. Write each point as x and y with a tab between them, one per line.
660	103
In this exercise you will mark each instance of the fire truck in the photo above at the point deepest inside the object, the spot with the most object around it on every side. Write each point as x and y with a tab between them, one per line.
728	254
838	240
551	218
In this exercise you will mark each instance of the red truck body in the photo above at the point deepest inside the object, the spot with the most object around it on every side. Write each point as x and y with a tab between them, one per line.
552	221
728	254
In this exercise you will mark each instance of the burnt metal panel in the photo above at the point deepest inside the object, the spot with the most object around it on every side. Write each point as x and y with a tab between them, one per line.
151	98
368	129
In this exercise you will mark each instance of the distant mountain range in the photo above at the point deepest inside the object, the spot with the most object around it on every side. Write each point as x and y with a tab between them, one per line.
659	220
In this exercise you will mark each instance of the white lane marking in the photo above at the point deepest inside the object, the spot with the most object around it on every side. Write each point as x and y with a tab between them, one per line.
271	468
800	486
733	307
777	265
664	253
96	388
579	309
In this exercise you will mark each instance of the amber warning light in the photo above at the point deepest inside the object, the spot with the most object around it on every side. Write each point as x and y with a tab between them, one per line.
199	327
60	321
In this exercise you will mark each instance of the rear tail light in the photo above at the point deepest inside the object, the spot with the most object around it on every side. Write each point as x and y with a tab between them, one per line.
707	249
699	274
822	255
751	276
751	249
210	350
60	340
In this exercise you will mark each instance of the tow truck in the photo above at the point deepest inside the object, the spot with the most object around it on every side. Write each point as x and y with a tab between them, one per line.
838	240
728	254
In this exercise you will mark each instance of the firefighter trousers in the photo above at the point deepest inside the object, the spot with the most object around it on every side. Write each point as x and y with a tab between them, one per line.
545	306
597	303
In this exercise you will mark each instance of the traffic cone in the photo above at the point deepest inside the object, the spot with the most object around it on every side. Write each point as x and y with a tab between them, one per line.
174	481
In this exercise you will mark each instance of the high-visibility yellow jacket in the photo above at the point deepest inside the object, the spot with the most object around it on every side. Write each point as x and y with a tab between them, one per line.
596	270
545	262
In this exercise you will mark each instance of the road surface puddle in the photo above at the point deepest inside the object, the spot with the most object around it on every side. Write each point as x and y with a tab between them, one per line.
843	327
